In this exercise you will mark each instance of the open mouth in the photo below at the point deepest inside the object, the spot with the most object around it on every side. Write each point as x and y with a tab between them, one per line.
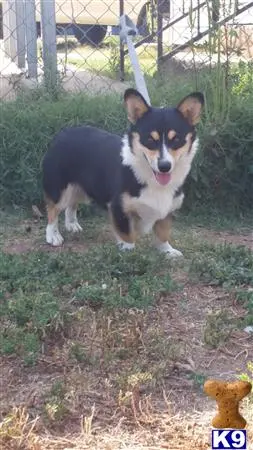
162	178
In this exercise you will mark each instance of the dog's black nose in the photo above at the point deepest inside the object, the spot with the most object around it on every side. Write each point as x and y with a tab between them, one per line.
164	165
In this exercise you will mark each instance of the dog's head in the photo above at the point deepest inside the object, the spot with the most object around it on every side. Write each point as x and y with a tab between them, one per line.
162	135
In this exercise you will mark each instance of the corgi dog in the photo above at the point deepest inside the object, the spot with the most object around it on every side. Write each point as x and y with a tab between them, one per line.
138	178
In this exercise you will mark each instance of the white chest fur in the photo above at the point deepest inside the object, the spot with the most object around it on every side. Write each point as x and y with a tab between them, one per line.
151	205
155	201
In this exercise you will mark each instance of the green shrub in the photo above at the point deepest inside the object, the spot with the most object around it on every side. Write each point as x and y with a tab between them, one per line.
223	171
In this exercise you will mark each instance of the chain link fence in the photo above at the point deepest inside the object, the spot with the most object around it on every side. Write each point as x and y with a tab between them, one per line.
78	41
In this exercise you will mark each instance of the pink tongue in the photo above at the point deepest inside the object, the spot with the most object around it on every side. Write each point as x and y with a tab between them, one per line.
162	178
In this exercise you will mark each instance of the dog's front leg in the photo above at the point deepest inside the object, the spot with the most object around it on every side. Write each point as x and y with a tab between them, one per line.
161	230
123	226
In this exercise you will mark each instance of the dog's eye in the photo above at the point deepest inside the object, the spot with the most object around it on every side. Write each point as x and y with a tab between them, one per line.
176	143
150	139
151	143
174	139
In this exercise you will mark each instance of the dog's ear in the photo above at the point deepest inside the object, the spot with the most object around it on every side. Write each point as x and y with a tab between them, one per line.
136	105
191	107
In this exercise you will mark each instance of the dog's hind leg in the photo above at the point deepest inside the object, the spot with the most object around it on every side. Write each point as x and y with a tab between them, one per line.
72	197
53	235
71	222
161	230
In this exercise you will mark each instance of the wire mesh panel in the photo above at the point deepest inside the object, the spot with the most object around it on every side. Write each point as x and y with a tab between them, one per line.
207	32
77	42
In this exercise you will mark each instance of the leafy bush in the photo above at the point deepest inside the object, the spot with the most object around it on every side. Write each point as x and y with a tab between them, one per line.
223	170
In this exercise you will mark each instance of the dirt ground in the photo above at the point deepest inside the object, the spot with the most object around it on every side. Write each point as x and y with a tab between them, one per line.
170	413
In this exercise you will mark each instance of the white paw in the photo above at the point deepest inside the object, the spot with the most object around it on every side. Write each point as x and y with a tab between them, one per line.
74	227
53	236
124	246
165	247
173	253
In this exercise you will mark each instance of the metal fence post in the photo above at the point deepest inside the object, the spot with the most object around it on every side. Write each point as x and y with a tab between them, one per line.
48	28
21	50
215	10
10	29
121	51
159	34
31	38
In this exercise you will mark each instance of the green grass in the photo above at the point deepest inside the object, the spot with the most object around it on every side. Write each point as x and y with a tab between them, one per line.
101	333
223	265
40	291
218	328
245	297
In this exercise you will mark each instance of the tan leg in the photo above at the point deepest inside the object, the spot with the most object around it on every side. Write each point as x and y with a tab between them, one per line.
53	236
162	229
